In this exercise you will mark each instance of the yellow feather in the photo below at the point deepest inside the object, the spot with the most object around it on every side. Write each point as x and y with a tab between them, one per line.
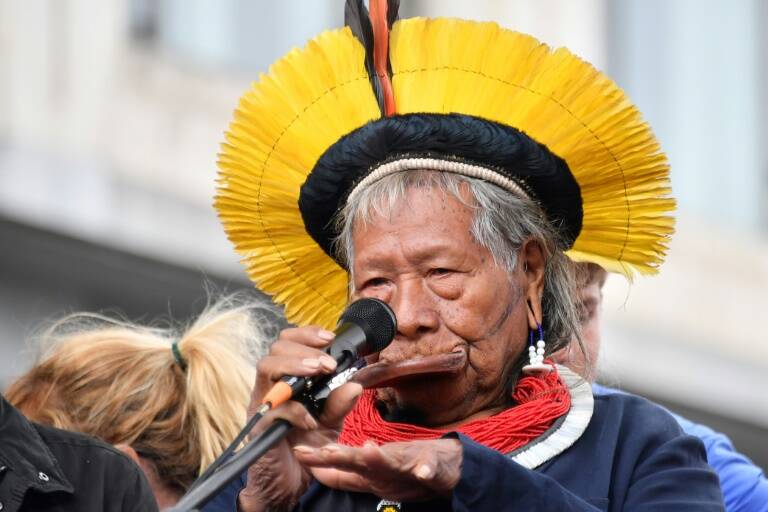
307	101
313	96
449	65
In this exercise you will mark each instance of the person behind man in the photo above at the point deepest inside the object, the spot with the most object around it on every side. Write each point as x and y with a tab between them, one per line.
44	469
445	168
745	488
170	398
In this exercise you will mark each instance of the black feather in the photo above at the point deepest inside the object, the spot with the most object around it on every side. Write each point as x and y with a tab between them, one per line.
393	14
357	19
393	6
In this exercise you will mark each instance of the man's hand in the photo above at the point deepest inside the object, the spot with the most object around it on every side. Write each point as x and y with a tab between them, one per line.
407	471
278	479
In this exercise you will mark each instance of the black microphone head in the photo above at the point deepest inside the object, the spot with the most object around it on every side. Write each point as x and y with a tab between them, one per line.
376	319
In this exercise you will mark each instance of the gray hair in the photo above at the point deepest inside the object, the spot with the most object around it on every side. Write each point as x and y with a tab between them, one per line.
502	223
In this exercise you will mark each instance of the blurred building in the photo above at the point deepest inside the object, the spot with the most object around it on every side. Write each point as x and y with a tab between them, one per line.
111	112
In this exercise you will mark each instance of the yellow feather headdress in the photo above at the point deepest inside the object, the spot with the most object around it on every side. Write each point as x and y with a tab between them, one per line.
313	97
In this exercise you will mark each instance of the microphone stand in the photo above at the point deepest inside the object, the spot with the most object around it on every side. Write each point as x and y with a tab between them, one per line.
313	398
233	468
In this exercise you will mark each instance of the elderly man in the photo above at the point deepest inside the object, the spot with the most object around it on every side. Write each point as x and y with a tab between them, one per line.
445	168
452	294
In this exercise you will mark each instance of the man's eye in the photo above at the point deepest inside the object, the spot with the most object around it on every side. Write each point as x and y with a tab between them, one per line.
437	272
586	313
376	281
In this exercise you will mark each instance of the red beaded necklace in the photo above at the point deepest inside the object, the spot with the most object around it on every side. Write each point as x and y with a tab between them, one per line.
540	401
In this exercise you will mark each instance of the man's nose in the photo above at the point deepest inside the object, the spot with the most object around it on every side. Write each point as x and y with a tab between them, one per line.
414	309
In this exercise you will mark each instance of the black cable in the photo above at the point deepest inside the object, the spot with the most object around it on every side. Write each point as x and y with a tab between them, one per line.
227	453
257	447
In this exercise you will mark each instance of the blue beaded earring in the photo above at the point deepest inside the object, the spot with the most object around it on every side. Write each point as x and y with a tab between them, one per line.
536	355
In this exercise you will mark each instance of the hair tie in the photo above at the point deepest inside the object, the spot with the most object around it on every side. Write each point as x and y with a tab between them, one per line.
177	356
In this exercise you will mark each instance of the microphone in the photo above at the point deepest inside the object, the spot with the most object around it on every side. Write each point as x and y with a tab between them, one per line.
367	326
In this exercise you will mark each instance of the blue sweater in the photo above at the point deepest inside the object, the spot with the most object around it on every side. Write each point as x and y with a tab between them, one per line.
632	457
744	485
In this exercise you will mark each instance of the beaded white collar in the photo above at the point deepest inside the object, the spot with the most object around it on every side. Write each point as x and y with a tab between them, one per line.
558	438
566	430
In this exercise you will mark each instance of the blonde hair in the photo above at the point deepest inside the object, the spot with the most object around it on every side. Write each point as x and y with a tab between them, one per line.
122	383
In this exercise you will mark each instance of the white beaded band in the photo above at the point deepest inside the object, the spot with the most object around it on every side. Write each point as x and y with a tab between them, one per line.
435	164
562	437
576	421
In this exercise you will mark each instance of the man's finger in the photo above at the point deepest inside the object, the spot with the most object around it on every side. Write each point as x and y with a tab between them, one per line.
332	455
314	357
292	412
311	336
271	368
342	480
367	461
339	403
378	458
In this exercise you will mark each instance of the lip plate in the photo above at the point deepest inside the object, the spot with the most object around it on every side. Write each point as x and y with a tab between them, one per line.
381	374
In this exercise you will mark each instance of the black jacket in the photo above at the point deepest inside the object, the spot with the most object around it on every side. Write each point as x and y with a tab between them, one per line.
44	469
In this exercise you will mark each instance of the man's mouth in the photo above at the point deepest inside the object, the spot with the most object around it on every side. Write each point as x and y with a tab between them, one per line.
383	374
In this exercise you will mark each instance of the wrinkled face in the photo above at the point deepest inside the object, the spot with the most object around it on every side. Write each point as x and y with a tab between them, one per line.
448	295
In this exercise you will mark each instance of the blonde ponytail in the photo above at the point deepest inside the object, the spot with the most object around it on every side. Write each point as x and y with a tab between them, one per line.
123	384
219	377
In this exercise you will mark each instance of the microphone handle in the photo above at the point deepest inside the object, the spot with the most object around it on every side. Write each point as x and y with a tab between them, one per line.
302	388
255	448
312	393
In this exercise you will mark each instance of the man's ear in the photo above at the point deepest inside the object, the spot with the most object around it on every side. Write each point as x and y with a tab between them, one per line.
130	452
534	264
147	467
159	489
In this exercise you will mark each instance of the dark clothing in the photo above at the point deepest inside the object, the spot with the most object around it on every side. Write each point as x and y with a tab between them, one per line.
632	457
745	487
44	469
